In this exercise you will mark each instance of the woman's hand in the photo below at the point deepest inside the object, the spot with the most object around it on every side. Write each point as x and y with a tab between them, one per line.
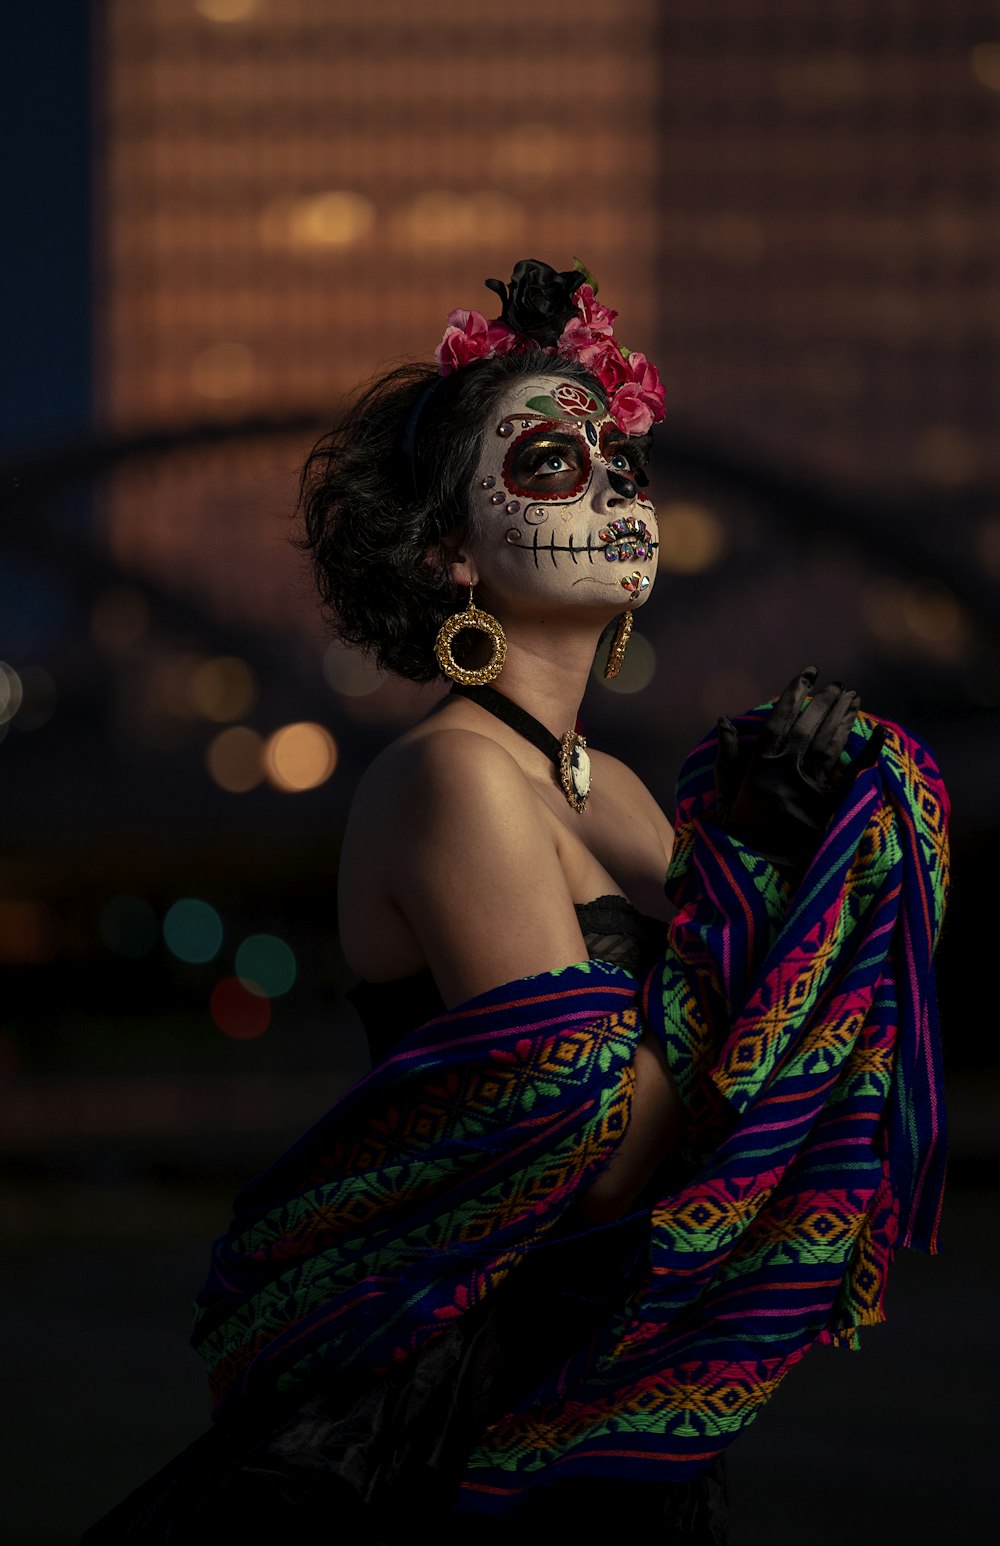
778	797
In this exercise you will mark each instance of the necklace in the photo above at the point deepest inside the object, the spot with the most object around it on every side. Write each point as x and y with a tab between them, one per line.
568	755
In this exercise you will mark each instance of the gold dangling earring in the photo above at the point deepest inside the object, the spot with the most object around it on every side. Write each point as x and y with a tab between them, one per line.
616	654
482	622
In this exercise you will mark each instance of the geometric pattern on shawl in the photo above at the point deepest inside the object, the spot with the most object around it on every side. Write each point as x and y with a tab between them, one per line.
802	1034
803	1037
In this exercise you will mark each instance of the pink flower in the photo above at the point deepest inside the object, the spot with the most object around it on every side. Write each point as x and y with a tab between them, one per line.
646	376
468	337
597	317
640	401
597	352
630	411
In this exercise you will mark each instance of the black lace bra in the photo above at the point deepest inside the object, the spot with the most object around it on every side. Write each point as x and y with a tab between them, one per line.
613	930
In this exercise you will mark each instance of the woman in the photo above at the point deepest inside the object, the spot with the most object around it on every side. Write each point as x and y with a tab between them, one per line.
500	1276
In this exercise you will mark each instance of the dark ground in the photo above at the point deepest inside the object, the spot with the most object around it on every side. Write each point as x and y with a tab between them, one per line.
892	1444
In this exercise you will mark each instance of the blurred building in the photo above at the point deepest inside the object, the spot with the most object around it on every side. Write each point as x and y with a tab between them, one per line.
297	193
789	205
786	201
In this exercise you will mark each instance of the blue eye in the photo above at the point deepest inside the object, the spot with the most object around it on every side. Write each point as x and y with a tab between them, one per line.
556	463
621	463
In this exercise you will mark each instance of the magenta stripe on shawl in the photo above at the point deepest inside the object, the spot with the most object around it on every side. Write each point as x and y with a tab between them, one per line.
532	1028
727	963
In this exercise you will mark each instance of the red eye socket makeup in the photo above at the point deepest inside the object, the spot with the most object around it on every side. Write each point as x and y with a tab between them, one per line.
526	468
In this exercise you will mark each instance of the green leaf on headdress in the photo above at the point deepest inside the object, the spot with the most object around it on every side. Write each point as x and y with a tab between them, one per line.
546	405
579	267
626	354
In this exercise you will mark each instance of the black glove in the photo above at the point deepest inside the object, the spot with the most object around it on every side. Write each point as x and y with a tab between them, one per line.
778	797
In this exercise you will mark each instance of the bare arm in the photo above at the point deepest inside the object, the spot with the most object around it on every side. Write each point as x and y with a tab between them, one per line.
478	879
475	871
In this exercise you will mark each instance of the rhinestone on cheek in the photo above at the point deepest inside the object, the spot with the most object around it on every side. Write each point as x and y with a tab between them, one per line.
497	499
505	430
513	534
488	481
513	507
536	516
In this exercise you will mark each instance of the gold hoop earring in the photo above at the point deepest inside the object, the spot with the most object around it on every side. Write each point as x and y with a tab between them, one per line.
616	654
482	622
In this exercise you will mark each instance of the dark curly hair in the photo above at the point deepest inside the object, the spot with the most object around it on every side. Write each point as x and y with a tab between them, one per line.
376	509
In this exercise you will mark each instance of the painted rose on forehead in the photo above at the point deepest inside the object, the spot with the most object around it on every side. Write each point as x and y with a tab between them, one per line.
568	400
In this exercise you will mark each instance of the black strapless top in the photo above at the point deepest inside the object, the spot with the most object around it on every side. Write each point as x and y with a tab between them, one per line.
613	930
289	1468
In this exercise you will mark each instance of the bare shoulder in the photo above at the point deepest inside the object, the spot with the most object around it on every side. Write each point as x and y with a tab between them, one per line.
626	785
448	766
447	835
418	792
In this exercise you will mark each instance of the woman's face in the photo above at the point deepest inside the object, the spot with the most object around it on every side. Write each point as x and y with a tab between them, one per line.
559	510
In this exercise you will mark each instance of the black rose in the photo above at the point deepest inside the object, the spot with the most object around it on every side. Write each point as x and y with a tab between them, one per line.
539	301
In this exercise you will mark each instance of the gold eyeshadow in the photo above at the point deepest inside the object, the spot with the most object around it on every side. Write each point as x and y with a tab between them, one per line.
527	453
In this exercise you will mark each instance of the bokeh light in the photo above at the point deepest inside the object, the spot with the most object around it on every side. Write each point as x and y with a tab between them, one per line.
921	617
10	692
300	756
29	932
193	930
225	11
38	698
235	759
984	62
691	538
440	218
532	152
223	688
337	218
237	1011
128	926
265	964
349	672
638	667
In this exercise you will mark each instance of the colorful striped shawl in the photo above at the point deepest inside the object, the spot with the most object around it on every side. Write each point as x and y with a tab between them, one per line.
802	1034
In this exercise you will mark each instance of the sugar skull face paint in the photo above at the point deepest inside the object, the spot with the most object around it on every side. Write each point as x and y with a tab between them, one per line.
547	461
568	400
558	498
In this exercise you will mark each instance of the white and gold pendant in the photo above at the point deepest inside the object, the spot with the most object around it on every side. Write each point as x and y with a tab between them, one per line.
574	769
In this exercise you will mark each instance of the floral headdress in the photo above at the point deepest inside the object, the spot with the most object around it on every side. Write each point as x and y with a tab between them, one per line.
559	312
